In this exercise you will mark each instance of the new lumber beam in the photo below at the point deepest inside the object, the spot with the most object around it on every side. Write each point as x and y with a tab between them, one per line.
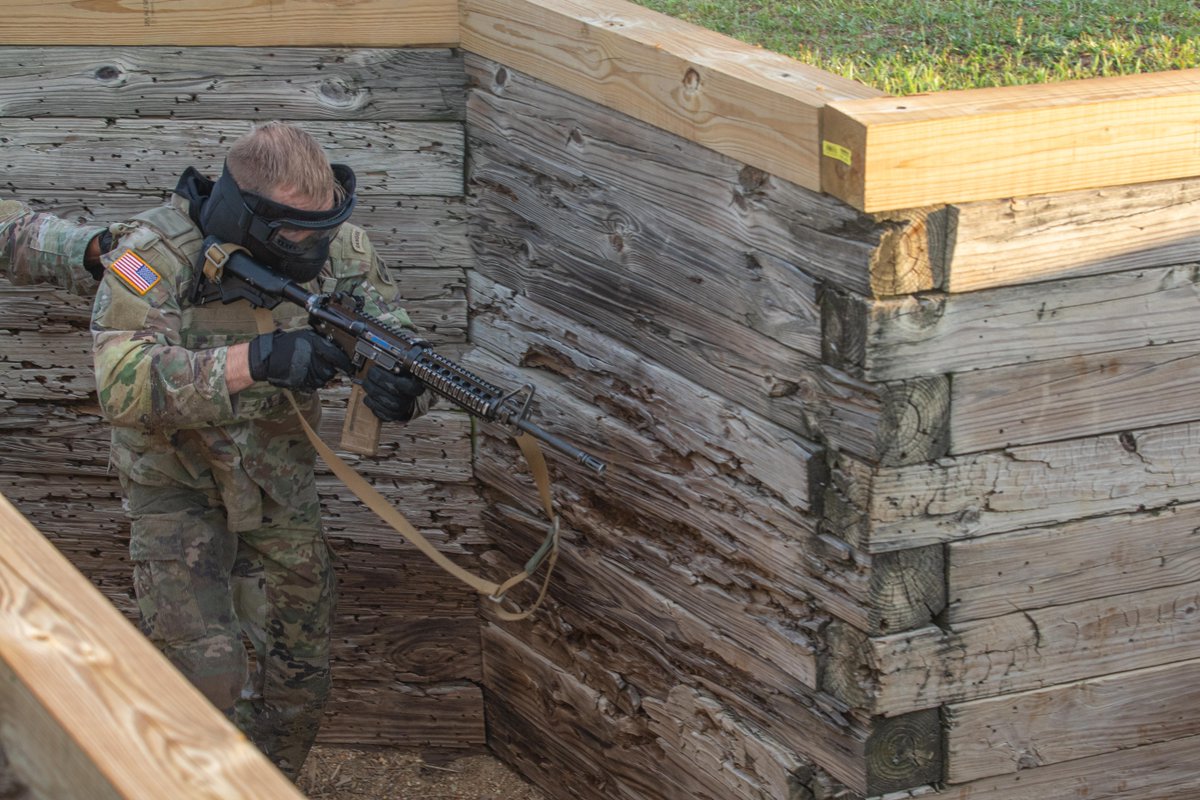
90	709
758	107
244	23
949	147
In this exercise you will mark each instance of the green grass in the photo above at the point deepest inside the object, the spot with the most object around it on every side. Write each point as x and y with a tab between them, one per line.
909	46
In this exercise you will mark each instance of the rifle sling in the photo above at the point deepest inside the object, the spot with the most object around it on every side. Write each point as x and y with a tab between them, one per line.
389	514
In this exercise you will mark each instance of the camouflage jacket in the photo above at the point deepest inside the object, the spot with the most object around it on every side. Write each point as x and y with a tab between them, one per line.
160	367
36	248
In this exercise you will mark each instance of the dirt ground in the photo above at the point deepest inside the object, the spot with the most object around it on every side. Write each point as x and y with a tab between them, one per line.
342	773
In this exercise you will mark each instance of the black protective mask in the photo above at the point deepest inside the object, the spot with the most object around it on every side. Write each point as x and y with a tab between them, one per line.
292	242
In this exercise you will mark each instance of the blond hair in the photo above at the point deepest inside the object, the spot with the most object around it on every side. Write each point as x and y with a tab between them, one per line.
277	156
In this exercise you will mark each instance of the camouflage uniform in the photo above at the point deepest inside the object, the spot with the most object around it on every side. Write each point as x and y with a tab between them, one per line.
226	534
36	248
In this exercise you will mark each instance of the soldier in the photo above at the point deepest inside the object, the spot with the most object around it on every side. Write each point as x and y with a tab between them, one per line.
36	248
218	476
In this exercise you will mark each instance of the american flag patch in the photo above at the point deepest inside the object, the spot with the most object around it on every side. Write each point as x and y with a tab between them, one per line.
140	276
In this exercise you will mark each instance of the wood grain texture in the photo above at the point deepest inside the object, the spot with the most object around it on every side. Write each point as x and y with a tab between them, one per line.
728	483
1051	237
1125	710
1026	650
80	680
255	83
756	106
982	144
1074	397
1023	487
379	23
91	155
747	328
1075	561
1165	770
938	334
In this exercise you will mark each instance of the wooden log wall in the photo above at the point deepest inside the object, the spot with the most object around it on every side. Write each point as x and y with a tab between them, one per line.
896	500
99	133
669	301
1063	496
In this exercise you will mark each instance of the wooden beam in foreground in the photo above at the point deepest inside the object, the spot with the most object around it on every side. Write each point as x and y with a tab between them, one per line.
758	107
950	147
90	709
294	23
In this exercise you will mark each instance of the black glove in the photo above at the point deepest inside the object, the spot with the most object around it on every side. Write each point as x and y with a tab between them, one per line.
105	244
392	398
301	359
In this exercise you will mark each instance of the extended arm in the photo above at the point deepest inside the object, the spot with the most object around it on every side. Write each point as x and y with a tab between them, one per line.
42	248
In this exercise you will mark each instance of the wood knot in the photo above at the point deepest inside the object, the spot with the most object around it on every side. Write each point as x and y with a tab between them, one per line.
110	73
691	80
338	94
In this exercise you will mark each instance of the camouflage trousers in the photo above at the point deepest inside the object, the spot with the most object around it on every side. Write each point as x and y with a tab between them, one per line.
201	589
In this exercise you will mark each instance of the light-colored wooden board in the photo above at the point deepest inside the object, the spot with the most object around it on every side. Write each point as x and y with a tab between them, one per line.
379	23
1001	735
994	575
1165	770
755	106
1012	141
118	720
1050	237
1074	397
938	333
929	667
1026	487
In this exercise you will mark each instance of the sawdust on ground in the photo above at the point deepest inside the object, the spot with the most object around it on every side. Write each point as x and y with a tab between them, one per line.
345	773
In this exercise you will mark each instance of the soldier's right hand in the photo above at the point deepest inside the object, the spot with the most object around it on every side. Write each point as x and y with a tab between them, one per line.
302	359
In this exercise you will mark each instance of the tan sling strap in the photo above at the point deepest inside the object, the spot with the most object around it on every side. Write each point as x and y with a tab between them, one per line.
367	493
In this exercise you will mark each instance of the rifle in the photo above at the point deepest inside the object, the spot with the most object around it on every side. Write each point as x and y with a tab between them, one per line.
233	275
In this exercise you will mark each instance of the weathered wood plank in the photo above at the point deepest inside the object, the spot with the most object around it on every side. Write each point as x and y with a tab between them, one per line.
1073	397
1020	487
445	720
1166	770
666	744
90	155
1076	561
1031	649
292	83
1011	141
433	447
739	483
535	147
753	105
1001	735
381	23
91	708
1051	237
936	334
644	620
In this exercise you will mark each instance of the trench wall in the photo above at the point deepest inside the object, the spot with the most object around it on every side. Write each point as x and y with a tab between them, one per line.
900	502
99	133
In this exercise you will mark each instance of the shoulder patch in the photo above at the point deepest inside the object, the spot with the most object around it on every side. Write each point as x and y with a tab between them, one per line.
137	274
358	240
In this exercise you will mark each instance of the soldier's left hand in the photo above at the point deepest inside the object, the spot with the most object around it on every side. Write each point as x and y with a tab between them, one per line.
391	398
